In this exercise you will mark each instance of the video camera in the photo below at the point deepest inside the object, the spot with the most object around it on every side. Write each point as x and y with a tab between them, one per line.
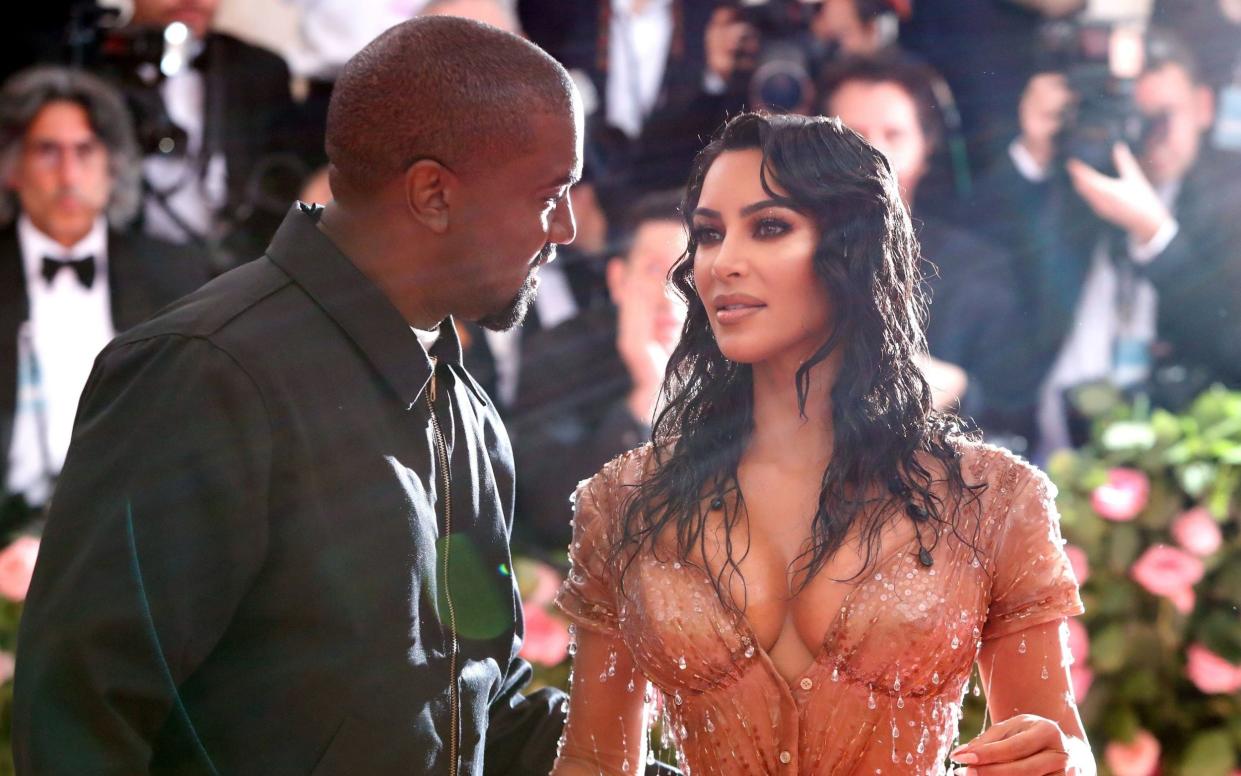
782	74
1102	62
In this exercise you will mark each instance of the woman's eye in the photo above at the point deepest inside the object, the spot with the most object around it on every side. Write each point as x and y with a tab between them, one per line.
705	235
770	227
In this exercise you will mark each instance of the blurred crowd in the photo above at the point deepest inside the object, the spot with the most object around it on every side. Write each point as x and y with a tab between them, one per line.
1073	170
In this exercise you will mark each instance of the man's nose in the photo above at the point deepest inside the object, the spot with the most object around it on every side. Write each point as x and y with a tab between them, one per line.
564	225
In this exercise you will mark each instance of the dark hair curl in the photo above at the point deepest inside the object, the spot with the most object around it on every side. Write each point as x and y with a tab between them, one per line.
887	436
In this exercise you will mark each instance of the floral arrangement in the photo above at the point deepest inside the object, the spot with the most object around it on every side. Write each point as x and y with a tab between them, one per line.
16	568
1151	511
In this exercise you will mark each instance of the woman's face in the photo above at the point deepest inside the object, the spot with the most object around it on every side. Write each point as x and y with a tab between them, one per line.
753	267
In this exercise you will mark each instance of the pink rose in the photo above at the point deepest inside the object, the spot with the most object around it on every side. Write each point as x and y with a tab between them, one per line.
17	566
547	638
1123	496
1197	532
1211	673
1079	562
1082	678
1139	757
1169	572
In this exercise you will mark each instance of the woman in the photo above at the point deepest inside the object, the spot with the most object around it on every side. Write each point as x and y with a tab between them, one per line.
809	560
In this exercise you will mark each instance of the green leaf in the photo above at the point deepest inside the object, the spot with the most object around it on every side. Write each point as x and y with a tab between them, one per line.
1128	436
1123	547
1209	754
1220	632
1197	477
1109	649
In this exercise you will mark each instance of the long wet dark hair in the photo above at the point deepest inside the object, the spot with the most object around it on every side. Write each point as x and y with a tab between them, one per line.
883	423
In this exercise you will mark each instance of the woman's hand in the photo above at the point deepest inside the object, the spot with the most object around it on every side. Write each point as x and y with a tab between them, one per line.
1019	746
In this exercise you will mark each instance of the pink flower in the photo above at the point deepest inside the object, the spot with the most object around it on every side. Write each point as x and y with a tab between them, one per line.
547	638
1197	532
1139	757
1079	562
17	566
1211	673
1082	678
1123	496
1167	571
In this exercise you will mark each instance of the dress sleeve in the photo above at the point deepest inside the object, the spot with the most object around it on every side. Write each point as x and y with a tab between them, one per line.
1033	581
588	595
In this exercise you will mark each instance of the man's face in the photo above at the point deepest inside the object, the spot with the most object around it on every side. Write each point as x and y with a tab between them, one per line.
639	283
887	117
195	14
512	218
61	177
1180	111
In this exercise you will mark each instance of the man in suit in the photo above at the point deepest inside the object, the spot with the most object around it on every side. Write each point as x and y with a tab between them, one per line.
280	540
591	387
974	313
71	276
1130	273
223	149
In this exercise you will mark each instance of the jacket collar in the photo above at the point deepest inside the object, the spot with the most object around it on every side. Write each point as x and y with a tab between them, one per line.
356	305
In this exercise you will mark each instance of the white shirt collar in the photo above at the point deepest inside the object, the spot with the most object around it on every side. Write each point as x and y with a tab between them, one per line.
35	245
626	6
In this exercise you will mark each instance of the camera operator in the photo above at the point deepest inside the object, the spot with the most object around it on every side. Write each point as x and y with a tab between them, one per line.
219	166
1131	272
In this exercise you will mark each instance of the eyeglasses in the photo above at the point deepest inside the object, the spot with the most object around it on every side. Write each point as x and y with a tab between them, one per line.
51	155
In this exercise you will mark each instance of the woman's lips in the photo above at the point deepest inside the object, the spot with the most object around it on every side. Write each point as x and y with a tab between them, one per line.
735	313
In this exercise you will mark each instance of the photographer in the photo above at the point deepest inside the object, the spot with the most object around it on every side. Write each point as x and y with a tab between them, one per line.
213	119
1130	272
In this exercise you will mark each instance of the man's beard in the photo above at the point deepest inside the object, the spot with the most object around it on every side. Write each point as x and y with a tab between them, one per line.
515	311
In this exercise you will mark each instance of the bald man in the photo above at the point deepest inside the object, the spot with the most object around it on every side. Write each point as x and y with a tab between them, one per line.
280	541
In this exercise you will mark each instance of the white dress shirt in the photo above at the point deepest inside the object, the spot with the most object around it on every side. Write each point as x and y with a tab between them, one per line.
554	304
638	46
67	327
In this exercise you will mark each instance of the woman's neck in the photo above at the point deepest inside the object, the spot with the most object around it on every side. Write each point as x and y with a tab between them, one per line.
781	433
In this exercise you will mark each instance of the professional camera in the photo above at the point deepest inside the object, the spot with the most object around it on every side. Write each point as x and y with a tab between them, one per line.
1102	62
782	74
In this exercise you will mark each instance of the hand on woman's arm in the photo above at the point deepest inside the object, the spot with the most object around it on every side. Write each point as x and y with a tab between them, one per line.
1036	729
606	729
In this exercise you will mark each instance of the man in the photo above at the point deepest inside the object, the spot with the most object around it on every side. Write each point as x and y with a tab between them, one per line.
71	276
592	381
1132	273
280	543
223	153
974	311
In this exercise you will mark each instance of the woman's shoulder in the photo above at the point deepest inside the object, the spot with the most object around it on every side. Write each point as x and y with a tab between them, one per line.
619	474
1002	472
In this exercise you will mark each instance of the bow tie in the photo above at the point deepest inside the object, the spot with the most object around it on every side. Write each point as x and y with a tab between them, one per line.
84	268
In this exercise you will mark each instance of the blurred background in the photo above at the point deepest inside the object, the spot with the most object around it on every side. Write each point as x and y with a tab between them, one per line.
1072	167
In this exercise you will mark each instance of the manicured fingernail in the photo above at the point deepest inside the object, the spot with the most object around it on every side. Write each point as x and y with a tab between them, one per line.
966	758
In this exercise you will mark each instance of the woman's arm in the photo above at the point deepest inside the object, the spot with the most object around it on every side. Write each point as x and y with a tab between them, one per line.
1036	729
606	728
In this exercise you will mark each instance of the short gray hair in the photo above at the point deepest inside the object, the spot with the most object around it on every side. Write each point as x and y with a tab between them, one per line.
30	91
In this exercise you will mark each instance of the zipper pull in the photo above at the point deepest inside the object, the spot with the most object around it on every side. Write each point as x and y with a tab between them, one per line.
431	388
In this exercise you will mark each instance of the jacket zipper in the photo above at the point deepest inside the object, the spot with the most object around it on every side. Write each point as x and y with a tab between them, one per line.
446	484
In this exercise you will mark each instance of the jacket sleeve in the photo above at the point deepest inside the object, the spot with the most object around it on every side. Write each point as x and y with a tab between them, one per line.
156	531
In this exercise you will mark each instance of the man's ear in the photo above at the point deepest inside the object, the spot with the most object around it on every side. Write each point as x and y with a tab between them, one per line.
431	189
615	276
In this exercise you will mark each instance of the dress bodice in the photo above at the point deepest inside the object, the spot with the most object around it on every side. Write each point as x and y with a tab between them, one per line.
884	692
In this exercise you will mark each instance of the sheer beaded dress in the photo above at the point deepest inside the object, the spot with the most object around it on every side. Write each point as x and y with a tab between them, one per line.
884	692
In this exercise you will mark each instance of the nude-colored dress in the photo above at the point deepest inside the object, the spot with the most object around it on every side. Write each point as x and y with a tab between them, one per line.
883	694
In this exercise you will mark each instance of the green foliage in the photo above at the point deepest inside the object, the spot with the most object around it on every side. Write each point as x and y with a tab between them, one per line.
1139	640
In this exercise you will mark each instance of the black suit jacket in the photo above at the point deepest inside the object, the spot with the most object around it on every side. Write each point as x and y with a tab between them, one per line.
1053	235
243	568
143	276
